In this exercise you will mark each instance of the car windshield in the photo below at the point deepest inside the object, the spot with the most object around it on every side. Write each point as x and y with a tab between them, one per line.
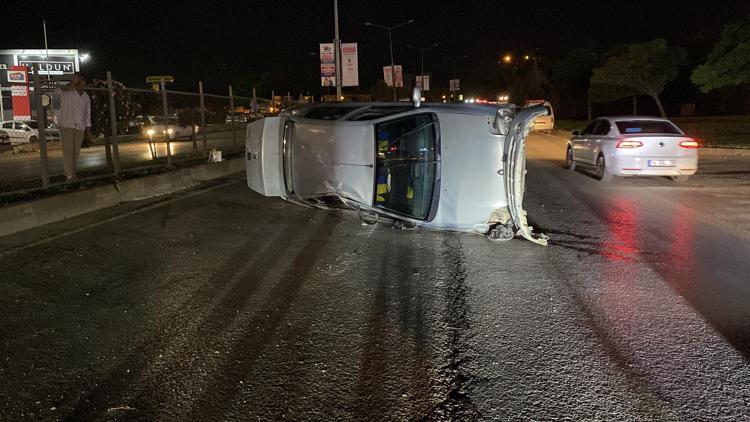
160	120
406	165
647	126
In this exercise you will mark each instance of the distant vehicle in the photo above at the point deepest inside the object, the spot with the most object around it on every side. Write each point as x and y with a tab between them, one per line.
442	166
543	123
238	118
633	146
27	131
155	128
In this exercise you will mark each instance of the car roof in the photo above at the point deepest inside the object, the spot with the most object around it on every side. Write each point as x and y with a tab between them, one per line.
629	118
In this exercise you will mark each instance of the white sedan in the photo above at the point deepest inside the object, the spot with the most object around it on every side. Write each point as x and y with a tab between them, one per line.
441	166
633	146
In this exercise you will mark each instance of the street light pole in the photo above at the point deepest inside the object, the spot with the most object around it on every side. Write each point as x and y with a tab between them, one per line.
390	44
337	50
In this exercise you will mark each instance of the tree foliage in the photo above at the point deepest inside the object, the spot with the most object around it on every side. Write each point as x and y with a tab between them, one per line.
638	69
729	61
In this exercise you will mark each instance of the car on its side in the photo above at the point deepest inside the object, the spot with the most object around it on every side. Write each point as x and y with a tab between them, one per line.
454	167
633	146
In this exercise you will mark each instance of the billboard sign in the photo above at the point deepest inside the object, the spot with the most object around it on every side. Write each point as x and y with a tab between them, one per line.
399	75
50	67
423	82
327	65
58	64
349	65
20	92
455	84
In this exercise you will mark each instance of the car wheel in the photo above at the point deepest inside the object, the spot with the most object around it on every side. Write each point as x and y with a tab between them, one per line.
602	173
33	139
501	233
680	179
570	164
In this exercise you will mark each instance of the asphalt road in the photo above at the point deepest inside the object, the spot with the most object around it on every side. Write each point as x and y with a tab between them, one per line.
219	304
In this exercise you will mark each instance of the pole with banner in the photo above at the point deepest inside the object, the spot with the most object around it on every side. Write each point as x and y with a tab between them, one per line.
350	64
18	76
42	122
327	65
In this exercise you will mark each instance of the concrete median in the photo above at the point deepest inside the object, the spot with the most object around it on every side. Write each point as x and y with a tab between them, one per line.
23	216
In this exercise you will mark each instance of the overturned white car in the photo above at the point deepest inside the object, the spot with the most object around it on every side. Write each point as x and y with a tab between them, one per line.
442	166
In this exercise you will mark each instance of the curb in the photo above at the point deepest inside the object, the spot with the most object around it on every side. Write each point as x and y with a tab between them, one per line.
27	215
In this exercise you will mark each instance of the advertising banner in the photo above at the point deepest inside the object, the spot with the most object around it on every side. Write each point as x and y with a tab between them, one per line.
349	65
19	78
327	65
423	82
455	85
399	75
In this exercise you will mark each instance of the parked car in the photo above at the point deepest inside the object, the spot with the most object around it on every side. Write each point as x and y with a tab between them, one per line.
442	166
155	128
20	132
27	131
633	146
543	123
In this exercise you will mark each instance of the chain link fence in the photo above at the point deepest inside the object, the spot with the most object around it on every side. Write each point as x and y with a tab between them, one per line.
133	131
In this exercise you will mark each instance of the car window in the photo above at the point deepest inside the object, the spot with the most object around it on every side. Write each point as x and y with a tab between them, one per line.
19	125
406	165
330	112
8	125
32	124
602	128
590	128
647	126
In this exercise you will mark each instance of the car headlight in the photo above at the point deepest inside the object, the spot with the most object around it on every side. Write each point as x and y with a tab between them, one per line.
150	132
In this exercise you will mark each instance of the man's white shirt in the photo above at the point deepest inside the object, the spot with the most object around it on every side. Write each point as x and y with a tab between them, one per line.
75	109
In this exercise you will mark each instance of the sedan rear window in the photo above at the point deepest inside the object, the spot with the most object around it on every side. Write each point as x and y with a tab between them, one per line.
647	126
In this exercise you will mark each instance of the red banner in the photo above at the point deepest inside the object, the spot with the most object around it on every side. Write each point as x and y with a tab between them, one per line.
18	76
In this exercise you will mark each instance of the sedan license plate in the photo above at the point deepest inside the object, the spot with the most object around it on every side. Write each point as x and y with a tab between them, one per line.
661	163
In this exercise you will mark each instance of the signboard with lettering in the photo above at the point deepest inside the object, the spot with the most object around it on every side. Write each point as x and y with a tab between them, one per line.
20	92
349	65
327	65
56	64
50	67
389	78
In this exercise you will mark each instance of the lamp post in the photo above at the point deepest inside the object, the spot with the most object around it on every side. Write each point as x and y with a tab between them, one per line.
390	43
337	50
421	55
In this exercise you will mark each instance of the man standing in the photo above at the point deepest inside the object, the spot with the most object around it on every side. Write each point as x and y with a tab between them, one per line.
74	121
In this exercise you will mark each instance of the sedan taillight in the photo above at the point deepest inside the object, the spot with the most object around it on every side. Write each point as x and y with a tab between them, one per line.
623	143
691	144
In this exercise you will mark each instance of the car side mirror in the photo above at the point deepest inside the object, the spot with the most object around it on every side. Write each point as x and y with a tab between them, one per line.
575	133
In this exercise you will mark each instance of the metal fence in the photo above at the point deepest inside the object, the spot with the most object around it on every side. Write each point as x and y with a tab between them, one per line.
133	130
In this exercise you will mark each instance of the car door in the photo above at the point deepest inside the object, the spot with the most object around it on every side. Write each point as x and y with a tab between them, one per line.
598	138
580	143
23	131
514	169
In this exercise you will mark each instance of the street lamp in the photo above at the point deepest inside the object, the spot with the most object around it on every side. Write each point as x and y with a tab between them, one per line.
83	57
390	43
507	58
421	54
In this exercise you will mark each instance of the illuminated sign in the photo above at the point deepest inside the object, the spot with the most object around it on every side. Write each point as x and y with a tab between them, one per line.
50	67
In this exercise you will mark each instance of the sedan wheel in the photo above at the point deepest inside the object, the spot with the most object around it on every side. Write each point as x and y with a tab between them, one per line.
570	164
33	139
602	173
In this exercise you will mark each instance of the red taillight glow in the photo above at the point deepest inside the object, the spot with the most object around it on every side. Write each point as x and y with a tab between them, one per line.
691	144
628	144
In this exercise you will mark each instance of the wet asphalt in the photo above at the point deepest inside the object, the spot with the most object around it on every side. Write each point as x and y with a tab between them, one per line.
220	304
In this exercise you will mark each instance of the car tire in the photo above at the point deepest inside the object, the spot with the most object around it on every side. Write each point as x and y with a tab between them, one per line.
33	139
680	179
602	172
570	163
501	233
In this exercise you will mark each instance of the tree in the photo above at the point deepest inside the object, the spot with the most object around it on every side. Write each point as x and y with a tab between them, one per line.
729	61
572	76
243	86
640	69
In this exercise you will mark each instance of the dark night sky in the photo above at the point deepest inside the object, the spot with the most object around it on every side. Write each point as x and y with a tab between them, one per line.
219	41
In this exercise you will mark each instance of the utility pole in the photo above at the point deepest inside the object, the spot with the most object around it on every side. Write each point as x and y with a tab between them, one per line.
337	49
390	43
